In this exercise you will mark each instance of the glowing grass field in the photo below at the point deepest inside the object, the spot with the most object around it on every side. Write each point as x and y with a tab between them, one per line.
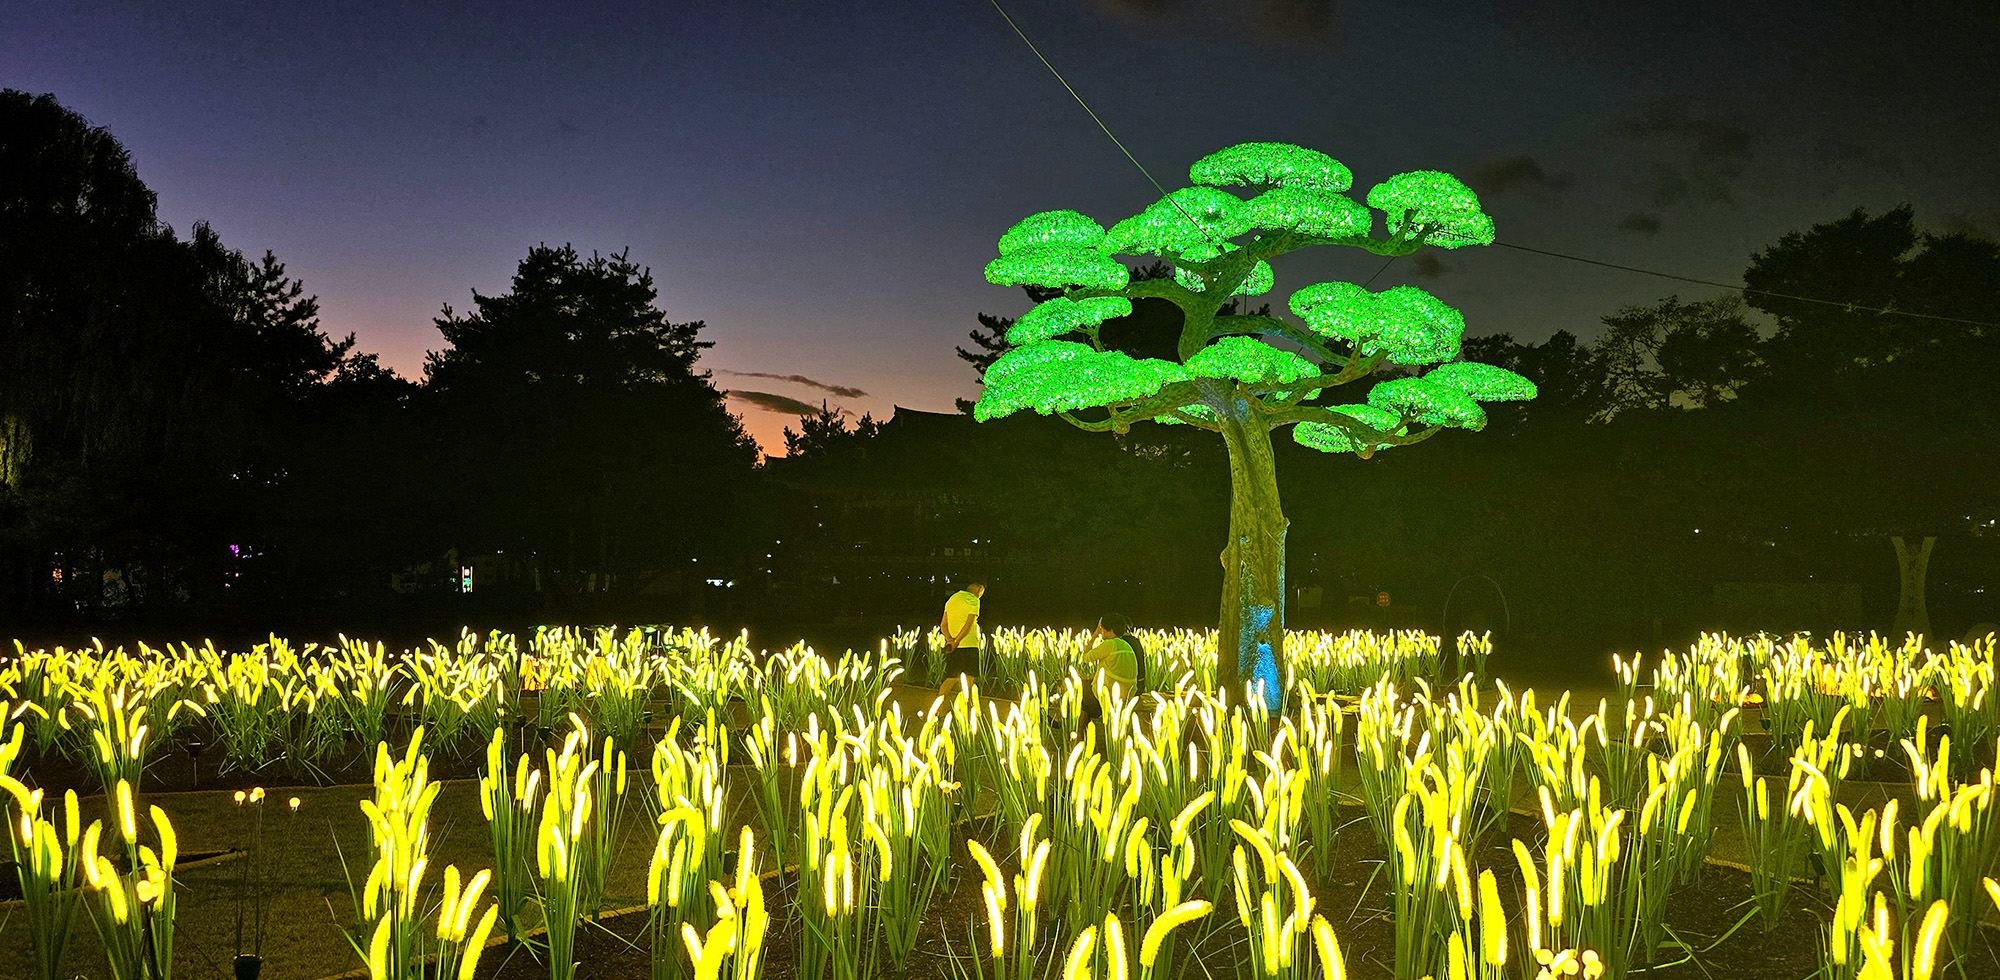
662	803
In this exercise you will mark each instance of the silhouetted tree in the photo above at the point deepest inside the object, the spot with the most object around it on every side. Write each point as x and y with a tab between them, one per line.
1677	354
1572	384
826	432
584	435
147	382
1904	439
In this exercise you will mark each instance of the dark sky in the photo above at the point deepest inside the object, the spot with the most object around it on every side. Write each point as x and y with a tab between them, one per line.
823	182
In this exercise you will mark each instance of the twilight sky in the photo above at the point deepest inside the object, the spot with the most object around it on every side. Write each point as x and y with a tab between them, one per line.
823	182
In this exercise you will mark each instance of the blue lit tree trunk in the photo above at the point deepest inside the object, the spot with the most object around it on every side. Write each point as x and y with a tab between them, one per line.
1228	378
1250	642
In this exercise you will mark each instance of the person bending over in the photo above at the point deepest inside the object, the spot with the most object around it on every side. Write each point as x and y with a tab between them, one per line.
961	636
1121	658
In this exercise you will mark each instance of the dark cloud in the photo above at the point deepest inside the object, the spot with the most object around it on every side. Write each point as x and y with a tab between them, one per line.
1644	224
800	379
1503	175
774	403
1428	266
1669	188
1705	136
1696	157
472	123
1958	224
1313	20
568	128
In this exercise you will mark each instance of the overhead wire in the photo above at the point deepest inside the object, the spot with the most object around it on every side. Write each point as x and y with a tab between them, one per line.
1848	307
1079	99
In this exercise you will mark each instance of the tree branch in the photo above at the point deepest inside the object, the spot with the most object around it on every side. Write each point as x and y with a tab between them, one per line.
1249	323
1353	371
1166	289
1199	423
1165	401
1355	429
1401	243
1104	426
1178	395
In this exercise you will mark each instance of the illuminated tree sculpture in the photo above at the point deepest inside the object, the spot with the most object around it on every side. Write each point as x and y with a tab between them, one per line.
1228	378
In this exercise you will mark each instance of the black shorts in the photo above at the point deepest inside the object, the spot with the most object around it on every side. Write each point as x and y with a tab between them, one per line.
963	660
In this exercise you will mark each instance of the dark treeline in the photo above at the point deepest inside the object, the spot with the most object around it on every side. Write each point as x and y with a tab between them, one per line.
179	437
184	448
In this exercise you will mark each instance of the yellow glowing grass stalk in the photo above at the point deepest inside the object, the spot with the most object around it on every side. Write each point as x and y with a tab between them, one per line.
1156	950
1076	966
46	863
507	791
735	942
135	910
459	941
1775	839
395	898
560	855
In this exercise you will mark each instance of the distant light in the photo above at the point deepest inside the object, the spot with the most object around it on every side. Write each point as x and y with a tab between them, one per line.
465	578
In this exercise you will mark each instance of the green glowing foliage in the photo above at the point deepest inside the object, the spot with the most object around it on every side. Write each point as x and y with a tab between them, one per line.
1328	438
1058	376
1271	163
1407	324
1184	219
1060	316
1430	404
1063	229
1429	198
1250	361
1057	266
1308	211
1056	249
1482	382
1199	411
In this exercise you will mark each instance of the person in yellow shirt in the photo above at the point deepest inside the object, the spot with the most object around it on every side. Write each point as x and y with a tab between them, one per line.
1119	657
960	627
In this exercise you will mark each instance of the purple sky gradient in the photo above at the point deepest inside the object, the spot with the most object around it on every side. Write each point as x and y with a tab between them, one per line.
822	183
